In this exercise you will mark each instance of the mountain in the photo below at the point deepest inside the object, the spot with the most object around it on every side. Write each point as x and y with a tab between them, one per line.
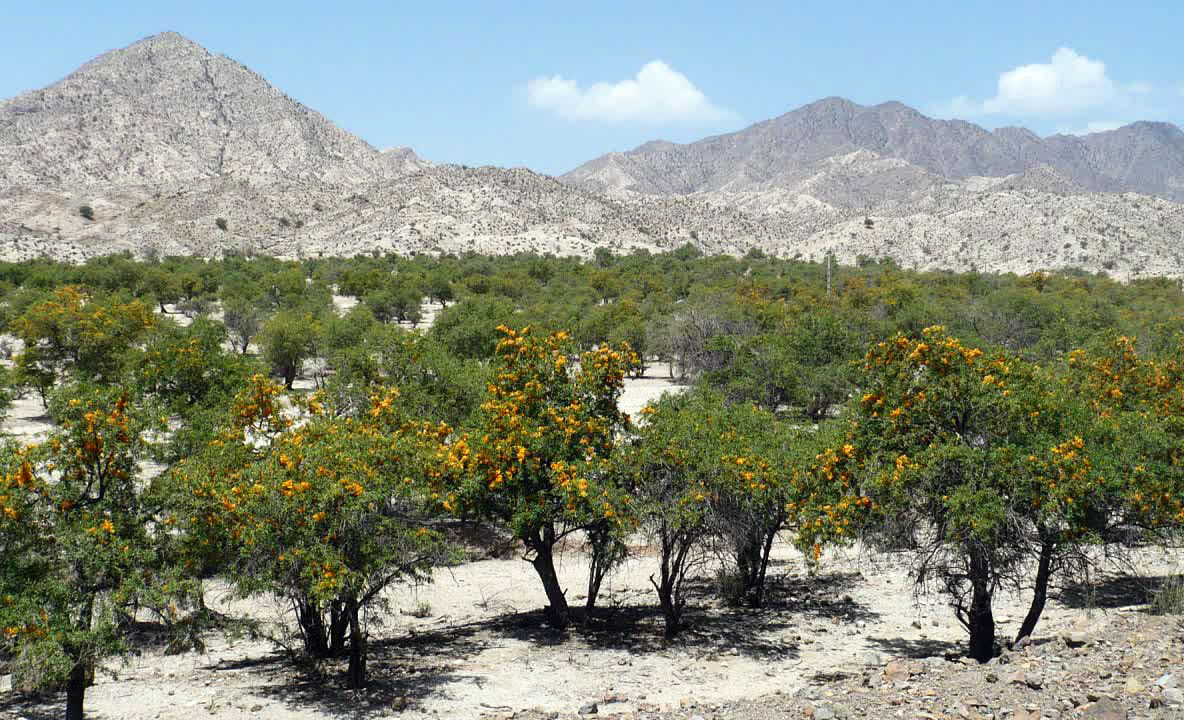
786	150
165	111
169	147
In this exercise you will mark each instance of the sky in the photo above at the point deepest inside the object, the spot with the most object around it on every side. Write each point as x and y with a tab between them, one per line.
550	85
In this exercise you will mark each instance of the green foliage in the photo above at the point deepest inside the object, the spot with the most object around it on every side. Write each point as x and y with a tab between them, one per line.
77	335
288	339
468	328
1168	598
77	553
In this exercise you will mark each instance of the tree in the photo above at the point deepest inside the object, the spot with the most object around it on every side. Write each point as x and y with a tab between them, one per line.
76	549
980	464
79	335
666	470
325	515
440	288
162	285
288	339
468	328
535	459
188	374
243	320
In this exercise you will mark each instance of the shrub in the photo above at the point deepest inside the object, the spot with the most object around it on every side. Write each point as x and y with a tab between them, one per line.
87	212
221	224
1168	598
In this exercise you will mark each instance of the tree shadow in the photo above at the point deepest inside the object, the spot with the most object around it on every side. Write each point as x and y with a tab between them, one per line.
916	649
44	706
1115	591
402	673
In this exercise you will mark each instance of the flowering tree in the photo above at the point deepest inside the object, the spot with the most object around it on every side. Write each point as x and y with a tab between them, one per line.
981	465
701	471
1144	398
75	334
76	552
324	512
535	459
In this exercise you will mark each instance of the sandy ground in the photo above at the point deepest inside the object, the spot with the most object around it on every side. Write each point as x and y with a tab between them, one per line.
483	649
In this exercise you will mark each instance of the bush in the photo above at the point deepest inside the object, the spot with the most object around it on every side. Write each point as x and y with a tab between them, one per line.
87	212
220	223
1168	599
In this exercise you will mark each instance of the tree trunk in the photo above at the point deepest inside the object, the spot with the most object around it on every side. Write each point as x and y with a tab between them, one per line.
82	674
544	565
1040	592
764	570
76	691
673	557
670	613
312	627
605	554
338	626
357	649
981	621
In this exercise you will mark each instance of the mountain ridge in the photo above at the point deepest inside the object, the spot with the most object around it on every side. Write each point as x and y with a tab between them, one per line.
779	151
173	149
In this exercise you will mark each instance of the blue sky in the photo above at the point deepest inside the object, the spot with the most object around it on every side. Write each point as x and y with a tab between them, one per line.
549	85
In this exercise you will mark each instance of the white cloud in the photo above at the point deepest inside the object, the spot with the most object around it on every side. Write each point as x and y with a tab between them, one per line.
659	94
1069	83
1091	127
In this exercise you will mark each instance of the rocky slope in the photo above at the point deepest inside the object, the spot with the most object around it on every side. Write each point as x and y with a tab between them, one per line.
780	153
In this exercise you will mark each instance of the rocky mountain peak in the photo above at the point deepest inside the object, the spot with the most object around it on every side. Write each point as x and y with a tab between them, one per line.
163	111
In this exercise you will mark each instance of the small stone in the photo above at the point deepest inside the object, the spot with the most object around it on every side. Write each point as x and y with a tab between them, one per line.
1104	710
824	712
872	658
1168	680
1173	697
896	670
1133	686
256	708
917	624
992	677
589	709
1075	639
